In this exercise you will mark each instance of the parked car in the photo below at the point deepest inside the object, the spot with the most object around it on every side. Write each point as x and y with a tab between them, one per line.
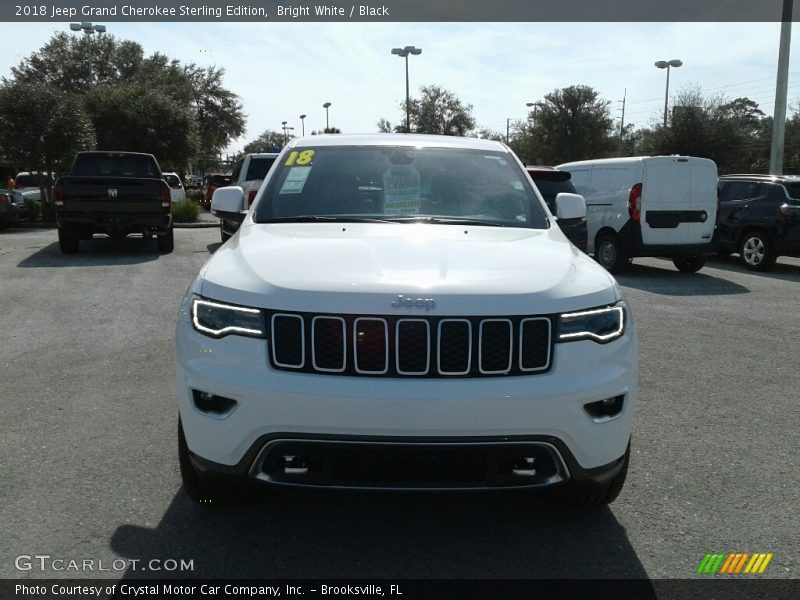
248	174
759	218
193	182
175	187
211	183
649	206
12	208
401	311
27	183
113	193
551	182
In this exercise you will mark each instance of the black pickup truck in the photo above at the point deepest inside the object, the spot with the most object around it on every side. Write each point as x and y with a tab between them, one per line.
115	193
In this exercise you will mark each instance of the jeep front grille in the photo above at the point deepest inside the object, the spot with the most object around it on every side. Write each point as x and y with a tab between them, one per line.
392	346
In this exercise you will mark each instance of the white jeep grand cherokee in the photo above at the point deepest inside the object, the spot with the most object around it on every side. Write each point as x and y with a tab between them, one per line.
402	311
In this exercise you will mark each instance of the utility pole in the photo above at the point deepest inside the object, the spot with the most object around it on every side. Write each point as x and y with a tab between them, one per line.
781	91
622	122
508	129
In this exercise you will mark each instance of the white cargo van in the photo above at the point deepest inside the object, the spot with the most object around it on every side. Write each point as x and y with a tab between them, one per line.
648	206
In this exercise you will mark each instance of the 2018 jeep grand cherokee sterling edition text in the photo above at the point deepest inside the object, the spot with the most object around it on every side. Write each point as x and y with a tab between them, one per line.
401	311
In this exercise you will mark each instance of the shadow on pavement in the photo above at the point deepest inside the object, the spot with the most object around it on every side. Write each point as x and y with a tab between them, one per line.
338	534
670	282
98	252
214	247
781	270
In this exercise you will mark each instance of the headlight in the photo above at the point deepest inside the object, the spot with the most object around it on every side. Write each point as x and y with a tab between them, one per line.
601	325
216	319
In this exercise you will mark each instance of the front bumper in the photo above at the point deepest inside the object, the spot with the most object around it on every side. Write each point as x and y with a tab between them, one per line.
271	404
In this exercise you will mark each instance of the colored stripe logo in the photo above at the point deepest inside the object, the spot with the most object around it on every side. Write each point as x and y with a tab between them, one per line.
734	563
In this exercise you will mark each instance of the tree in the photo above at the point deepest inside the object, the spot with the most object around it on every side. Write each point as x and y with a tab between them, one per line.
42	129
488	134
200	116
730	132
218	112
572	123
438	111
265	142
139	118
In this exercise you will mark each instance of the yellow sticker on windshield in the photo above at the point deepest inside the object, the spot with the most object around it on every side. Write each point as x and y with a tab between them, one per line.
306	157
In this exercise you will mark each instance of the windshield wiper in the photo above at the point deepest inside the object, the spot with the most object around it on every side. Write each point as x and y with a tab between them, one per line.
447	221
328	219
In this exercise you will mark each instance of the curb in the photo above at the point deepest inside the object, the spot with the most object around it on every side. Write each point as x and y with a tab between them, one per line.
200	225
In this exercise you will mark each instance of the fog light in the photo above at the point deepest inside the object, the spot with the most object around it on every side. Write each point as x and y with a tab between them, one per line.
209	403
524	467
605	409
295	465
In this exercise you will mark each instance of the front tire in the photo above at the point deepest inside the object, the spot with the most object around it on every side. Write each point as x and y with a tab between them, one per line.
610	254
166	242
69	241
225	236
755	250
689	264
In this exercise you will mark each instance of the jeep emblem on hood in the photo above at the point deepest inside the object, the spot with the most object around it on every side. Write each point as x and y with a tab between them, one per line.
407	302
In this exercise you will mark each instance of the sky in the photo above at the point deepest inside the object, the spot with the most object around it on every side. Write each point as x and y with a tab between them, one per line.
282	70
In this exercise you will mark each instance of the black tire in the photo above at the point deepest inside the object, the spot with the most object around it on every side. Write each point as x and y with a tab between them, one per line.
225	236
610	254
689	264
69	241
756	252
166	242
587	496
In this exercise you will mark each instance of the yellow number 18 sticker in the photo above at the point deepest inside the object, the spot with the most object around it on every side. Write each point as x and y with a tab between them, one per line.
300	158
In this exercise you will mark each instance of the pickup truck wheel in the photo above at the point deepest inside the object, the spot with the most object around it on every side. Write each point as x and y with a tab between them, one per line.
610	254
225	236
756	251
689	264
166	242
592	496
68	241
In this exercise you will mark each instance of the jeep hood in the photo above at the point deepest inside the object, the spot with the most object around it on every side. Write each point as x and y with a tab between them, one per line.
363	267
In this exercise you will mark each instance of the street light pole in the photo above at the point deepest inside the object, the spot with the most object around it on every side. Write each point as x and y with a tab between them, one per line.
666	64
781	91
404	53
286	131
89	29
303	123
535	106
326	106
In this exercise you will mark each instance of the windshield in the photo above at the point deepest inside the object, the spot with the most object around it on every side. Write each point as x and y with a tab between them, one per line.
793	189
550	188
114	164
400	183
258	168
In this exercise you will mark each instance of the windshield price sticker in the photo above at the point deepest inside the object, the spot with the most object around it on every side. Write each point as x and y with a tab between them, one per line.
295	180
401	191
300	158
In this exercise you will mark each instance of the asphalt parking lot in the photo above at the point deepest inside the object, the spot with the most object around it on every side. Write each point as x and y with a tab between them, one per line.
88	439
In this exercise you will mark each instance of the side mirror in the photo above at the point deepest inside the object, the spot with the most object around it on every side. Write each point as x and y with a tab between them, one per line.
570	206
227	200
